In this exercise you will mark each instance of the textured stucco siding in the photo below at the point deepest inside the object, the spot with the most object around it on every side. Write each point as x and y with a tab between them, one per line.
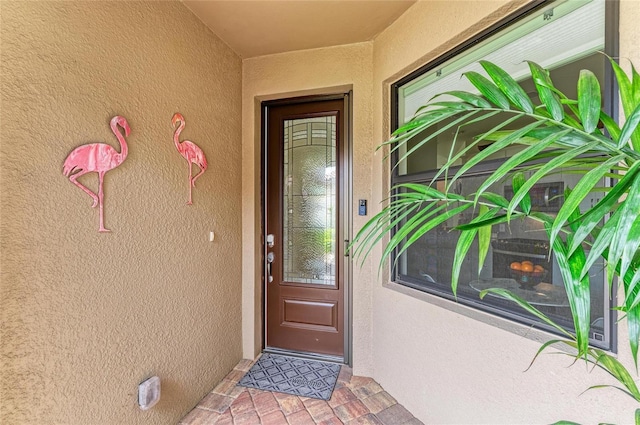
87	316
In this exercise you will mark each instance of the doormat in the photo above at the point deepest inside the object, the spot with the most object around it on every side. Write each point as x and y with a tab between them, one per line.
291	375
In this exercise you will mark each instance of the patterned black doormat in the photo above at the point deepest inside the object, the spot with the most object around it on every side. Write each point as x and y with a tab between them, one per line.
290	375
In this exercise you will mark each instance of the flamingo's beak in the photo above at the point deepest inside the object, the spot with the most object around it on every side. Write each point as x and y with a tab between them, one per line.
127	130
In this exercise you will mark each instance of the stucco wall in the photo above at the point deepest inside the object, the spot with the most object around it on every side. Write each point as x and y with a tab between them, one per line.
446	367
317	71
87	316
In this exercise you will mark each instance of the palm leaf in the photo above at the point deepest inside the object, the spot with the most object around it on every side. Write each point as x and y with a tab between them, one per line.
635	85
630	248
498	145
628	215
617	370
454	158
483	223
518	181
413	130
577	289
470	98
509	87
577	196
546	345
431	136
465	240
612	127
595	215
630	126
378	228
429	225
488	89
518	159
508	295
633	327
544	169
627	97
548	97
601	244
484	235
589	100
418	125
496	199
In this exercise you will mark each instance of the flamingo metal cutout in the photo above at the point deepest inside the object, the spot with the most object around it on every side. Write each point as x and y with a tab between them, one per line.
99	158
189	151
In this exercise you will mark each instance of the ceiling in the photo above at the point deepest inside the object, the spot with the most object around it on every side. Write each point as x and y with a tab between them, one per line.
263	27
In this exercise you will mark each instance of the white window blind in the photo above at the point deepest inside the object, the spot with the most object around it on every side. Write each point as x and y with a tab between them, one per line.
558	34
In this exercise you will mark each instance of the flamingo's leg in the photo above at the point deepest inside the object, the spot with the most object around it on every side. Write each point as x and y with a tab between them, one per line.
190	185
73	180
101	202
197	175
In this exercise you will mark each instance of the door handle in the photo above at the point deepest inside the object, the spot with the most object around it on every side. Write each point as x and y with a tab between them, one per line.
270	257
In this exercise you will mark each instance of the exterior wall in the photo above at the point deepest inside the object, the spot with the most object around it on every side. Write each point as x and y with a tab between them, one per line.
87	316
629	34
443	366
318	71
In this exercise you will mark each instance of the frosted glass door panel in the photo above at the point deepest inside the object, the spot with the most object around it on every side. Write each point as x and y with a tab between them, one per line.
309	220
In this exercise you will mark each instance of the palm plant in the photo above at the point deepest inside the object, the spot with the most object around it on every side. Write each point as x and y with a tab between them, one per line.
559	133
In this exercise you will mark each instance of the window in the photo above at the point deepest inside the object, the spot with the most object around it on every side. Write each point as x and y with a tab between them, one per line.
563	37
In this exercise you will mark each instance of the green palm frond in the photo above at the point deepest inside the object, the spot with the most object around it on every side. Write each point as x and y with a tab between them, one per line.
557	135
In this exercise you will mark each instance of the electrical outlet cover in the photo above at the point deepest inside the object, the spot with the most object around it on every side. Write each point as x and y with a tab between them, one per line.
149	393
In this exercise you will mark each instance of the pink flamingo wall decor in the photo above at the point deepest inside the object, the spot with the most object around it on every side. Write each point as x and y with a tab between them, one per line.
189	151
99	158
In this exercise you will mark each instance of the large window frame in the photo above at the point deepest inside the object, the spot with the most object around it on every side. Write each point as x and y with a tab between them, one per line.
610	104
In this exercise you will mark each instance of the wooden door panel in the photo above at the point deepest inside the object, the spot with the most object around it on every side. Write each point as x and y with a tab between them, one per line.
306	314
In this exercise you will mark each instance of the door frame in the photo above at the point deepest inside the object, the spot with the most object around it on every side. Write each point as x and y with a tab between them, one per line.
345	217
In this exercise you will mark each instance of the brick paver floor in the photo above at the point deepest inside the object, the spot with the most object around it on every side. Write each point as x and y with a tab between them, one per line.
356	400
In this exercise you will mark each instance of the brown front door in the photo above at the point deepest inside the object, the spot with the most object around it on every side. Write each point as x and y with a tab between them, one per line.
304	276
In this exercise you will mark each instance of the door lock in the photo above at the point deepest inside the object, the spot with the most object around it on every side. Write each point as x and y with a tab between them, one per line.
270	240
